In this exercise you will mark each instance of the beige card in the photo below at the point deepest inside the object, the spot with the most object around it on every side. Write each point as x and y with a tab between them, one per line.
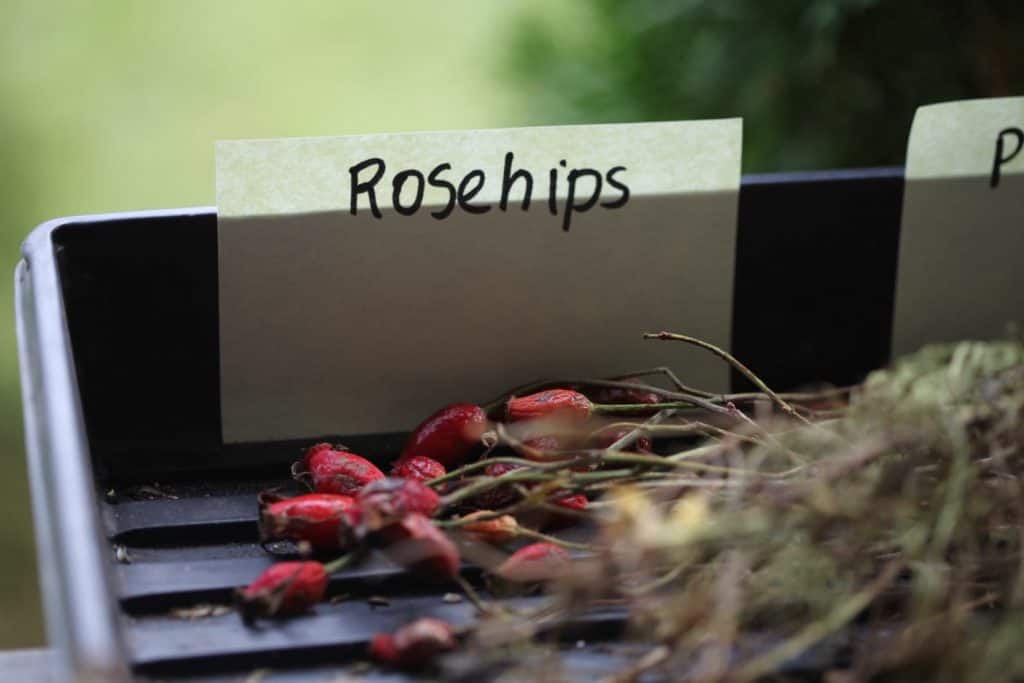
961	263
366	281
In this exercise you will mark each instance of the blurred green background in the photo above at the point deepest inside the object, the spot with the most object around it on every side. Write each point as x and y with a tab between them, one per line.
111	106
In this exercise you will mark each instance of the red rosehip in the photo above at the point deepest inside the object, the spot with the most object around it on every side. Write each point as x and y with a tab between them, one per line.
576	502
550	403
326	520
337	471
414	644
494	530
497	469
623	395
388	500
418	467
606	438
547	447
551	520
553	449
416	544
535	562
282	589
501	495
382	648
317	448
449	435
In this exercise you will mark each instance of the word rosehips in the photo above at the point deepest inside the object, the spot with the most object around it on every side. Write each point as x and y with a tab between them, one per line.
284	588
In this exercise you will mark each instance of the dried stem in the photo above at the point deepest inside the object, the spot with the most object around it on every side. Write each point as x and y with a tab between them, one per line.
814	632
731	360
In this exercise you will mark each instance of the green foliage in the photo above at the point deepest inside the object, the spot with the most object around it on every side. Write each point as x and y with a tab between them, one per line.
821	83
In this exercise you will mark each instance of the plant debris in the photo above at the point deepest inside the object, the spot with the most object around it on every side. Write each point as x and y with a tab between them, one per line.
121	554
740	533
200	611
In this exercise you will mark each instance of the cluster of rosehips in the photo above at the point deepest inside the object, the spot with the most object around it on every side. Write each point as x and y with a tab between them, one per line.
355	505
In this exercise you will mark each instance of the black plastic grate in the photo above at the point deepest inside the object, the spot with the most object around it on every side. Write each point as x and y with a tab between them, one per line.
180	550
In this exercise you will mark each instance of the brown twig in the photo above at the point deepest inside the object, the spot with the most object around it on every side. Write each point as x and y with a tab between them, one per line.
731	360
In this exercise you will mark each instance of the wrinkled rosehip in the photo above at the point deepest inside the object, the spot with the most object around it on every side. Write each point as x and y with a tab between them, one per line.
606	438
552	519
418	467
624	395
494	530
388	500
497	469
501	495
551	403
449	435
325	520
330	470
576	502
547	447
554	449
535	562
416	544
414	644
317	448
282	589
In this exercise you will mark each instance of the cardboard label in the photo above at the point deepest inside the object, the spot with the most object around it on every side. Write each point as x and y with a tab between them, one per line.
961	262
366	281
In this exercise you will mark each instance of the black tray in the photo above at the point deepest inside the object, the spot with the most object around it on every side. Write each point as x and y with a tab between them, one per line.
117	328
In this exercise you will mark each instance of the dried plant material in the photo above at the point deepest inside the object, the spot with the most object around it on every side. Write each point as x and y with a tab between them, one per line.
895	523
152	491
257	676
200	611
868	532
121	554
